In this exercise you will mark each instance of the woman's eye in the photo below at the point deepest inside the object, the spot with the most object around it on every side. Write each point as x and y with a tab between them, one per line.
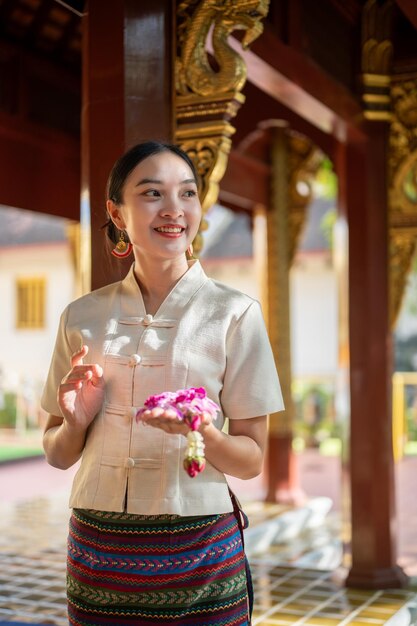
154	193
190	193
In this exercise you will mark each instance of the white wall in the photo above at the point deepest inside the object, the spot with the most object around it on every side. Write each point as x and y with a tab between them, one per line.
314	322
314	317
25	354
237	273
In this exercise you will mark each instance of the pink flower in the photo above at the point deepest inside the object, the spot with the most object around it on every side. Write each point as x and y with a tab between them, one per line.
193	420
188	395
161	400
190	406
164	401
194	466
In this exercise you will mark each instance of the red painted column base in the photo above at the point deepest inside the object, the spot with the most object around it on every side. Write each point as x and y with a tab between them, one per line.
282	475
383	578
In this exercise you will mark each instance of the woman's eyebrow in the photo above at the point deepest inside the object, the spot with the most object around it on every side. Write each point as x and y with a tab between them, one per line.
145	181
154	181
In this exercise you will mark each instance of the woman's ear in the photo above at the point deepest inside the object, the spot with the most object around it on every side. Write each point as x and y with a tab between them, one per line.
115	214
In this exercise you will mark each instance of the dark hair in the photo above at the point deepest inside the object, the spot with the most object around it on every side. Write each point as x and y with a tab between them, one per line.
125	164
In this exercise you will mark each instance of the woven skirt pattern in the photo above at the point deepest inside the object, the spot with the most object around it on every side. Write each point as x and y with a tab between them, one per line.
147	570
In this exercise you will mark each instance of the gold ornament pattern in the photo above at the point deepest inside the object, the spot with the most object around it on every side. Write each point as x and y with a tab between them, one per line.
304	160
294	162
377	52
402	188
194	68
393	100
208	86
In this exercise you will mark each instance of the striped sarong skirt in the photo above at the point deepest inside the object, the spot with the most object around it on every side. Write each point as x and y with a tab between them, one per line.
163	569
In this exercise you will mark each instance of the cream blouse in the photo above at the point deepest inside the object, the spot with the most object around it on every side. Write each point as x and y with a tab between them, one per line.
204	335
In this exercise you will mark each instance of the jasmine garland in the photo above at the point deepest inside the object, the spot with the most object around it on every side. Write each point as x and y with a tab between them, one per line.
190	406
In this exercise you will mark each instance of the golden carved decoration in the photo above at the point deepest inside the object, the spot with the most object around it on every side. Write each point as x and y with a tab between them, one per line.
278	266
194	71
402	188
304	160
294	163
402	247
73	233
403	147
210	155
377	52
395	101
208	143
208	88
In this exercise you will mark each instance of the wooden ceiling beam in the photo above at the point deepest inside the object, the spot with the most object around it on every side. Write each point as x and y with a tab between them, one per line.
260	107
297	82
39	168
42	66
409	8
245	183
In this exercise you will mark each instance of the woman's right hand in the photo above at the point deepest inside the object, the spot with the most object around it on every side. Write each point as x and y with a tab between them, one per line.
81	392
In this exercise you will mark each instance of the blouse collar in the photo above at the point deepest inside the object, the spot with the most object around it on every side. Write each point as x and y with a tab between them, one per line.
178	298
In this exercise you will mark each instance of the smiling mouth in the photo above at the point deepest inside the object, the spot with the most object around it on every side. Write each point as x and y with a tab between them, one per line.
172	230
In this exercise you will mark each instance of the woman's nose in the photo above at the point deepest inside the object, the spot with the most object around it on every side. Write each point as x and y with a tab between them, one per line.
172	208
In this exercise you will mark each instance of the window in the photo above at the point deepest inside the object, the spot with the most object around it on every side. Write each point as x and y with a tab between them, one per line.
30	303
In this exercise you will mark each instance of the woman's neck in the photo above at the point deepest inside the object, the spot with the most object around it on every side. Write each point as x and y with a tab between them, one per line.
157	278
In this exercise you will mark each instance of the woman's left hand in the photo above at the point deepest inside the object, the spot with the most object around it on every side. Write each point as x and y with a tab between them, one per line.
167	420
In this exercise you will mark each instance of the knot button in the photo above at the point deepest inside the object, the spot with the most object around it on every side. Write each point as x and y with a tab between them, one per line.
135	359
131	413
130	462
148	319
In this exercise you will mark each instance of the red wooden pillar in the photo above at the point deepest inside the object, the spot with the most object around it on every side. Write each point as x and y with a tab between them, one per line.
127	98
371	457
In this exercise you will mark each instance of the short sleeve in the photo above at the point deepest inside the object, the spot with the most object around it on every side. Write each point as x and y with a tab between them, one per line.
251	385
60	365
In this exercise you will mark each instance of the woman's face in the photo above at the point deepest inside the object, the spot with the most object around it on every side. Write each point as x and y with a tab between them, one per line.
161	211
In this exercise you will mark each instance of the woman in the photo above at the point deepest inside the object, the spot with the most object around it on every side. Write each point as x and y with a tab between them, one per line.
148	544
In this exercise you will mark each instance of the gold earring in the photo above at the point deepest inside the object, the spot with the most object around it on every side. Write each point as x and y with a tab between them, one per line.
123	248
189	253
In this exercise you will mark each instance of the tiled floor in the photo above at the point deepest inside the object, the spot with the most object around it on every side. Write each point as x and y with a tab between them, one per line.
32	560
33	529
32	589
32	578
288	596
